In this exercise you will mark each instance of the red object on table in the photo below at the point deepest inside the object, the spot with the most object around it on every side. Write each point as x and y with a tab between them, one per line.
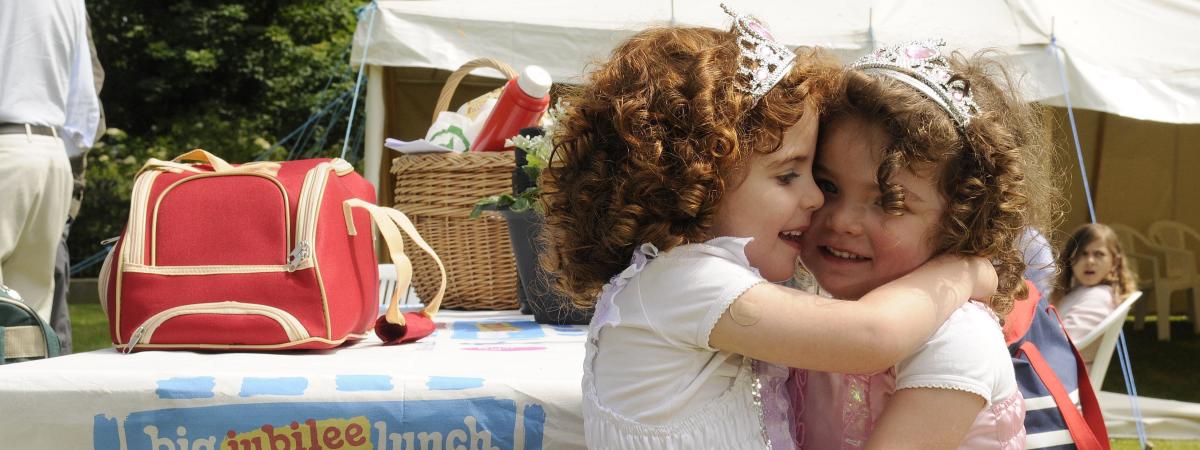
521	105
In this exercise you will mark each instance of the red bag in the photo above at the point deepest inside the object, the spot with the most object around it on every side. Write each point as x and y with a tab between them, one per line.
258	256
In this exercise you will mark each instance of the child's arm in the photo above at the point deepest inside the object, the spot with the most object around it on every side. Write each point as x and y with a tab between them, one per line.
926	419
797	329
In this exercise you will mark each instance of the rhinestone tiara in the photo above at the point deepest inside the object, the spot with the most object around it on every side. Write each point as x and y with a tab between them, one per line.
922	65
763	61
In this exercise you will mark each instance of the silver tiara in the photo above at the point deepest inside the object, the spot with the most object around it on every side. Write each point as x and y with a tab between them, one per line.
763	61
920	64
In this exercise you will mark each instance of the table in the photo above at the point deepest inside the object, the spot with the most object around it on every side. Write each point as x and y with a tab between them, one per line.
484	380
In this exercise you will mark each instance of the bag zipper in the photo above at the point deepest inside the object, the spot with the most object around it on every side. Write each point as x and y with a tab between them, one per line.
308	208
135	249
205	270
145	332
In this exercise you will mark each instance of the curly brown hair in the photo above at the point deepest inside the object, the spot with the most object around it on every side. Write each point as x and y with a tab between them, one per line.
650	142
988	172
1121	279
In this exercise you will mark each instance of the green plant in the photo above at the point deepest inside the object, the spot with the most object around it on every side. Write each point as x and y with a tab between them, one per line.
537	156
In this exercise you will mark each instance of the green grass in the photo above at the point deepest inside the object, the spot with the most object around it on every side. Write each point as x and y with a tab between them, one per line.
1132	444
1161	369
89	328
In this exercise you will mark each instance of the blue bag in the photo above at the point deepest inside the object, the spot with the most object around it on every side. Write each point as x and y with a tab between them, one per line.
1053	379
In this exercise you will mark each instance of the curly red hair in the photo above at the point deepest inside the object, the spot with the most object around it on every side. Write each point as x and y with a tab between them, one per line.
992	174
649	144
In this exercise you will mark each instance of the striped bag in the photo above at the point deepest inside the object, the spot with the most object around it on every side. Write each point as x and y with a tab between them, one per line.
1053	379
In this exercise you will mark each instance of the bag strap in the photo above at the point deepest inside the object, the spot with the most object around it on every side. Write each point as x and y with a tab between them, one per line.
1087	394
443	101
1018	321
390	221
219	165
1085	435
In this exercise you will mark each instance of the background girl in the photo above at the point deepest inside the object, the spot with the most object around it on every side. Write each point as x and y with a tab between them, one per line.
1093	279
680	185
927	154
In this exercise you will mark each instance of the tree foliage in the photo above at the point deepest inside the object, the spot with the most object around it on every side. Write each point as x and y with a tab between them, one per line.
232	77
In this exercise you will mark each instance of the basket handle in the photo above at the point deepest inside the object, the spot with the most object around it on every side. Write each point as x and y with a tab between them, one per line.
443	102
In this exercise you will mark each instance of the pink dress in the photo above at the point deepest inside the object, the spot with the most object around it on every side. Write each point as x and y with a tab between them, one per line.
838	411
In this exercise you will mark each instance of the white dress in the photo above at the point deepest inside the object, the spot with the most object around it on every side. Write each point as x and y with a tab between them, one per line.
1082	310
651	381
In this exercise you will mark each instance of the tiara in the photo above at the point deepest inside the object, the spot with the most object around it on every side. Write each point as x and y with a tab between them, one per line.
763	62
920	64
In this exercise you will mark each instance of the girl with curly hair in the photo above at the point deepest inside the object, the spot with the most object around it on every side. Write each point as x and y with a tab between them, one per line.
925	154
1093	280
679	188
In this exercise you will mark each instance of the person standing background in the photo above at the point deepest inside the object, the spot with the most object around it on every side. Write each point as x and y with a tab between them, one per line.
60	318
47	98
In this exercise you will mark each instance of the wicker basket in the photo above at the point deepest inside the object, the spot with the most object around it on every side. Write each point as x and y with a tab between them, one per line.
438	191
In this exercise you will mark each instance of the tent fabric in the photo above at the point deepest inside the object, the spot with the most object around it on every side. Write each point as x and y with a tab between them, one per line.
1164	419
1134	59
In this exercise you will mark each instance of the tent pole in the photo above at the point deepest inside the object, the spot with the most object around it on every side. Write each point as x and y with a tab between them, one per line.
870	29
1099	160
373	126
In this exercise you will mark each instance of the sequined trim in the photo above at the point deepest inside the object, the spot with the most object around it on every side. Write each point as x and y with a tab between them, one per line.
756	388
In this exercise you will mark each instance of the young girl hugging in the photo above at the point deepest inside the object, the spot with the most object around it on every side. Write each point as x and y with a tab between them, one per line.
1092	281
924	155
680	184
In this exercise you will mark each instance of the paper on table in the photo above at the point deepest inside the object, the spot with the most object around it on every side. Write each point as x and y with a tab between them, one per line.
417	146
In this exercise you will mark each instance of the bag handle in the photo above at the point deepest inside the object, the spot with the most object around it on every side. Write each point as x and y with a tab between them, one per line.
390	221
443	101
199	155
219	165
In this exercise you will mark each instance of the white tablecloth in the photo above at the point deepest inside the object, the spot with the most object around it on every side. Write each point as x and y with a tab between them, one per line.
492	380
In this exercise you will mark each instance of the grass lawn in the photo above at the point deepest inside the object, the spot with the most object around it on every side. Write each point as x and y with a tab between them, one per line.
1161	369
1132	444
89	327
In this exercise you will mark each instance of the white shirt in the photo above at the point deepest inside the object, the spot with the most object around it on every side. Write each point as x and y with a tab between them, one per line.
1082	310
46	68
966	353
651	380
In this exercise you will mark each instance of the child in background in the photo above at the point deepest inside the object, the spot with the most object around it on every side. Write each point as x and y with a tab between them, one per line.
680	185
925	155
1093	279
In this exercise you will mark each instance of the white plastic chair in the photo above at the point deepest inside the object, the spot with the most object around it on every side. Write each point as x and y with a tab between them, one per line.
1179	236
1160	269
387	284
1104	337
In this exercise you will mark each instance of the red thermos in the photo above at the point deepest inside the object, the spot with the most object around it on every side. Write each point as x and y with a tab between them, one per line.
520	105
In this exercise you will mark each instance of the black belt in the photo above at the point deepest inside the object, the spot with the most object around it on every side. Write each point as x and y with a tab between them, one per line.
19	128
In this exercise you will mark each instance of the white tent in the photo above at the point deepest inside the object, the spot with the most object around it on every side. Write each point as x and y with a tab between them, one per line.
1132	67
1128	60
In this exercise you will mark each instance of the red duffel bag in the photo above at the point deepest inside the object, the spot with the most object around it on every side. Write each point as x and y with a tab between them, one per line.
258	256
